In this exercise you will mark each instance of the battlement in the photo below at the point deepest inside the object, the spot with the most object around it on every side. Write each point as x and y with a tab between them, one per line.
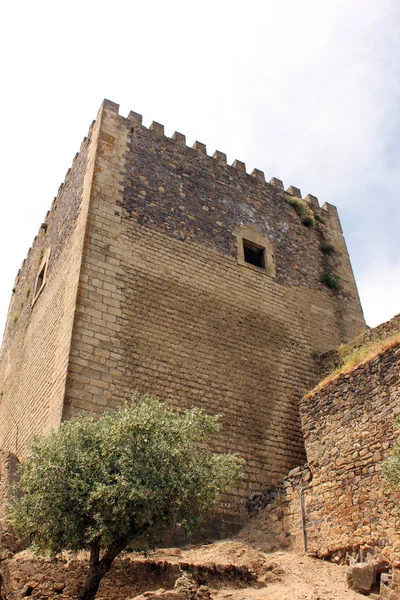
50	213
136	120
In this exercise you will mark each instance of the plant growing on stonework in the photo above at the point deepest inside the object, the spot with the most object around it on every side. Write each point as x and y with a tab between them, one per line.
327	247
331	281
305	213
102	485
391	466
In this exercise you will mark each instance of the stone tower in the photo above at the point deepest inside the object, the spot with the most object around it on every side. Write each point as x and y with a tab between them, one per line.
162	269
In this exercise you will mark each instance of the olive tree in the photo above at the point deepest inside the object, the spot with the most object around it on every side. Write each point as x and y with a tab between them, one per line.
102	484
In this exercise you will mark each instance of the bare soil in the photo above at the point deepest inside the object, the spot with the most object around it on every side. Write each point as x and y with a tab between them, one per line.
231	570
283	575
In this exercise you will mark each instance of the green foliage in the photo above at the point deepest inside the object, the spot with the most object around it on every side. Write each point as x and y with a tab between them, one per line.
305	213
121	477
331	281
318	218
327	247
391	466
308	221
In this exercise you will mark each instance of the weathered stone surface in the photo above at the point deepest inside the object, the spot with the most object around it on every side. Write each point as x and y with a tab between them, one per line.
361	577
145	289
349	428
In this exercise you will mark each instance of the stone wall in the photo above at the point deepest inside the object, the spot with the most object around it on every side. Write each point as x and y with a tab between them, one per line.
147	289
278	519
328	361
349	428
166	306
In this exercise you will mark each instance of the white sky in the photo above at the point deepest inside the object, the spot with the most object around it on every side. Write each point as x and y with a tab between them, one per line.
305	90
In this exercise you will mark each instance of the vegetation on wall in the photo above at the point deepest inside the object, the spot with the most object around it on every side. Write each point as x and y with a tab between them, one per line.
101	485
391	466
311	219
331	280
303	210
349	357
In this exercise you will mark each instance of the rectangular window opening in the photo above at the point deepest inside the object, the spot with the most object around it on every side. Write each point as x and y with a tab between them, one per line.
253	254
40	280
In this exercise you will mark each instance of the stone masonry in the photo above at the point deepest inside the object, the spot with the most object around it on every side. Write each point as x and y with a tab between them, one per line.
138	280
339	503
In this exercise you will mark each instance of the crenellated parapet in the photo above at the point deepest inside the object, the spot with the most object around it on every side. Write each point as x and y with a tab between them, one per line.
136	120
45	225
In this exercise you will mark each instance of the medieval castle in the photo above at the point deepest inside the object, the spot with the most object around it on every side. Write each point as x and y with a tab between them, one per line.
160	268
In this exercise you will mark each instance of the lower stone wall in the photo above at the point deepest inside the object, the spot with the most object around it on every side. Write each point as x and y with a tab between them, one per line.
349	428
349	510
277	515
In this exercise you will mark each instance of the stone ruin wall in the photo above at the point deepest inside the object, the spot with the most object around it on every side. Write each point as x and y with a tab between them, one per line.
349	429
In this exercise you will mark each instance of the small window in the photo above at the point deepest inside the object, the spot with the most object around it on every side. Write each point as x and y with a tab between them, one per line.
253	254
40	280
41	276
254	250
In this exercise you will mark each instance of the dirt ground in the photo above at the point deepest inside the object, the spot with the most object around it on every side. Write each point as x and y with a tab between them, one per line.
282	575
231	570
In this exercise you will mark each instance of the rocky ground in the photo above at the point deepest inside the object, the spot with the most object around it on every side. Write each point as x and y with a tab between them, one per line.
231	570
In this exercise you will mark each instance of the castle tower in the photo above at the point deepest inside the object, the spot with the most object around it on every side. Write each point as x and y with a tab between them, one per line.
162	269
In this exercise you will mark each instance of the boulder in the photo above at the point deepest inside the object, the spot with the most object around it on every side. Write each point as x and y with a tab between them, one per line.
361	577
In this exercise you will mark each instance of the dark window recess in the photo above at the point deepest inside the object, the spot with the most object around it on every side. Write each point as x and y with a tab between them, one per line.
253	254
40	280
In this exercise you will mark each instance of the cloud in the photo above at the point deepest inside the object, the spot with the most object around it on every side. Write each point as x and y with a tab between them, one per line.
307	91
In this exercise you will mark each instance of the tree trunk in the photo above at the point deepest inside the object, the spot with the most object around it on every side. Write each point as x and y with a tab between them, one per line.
98	568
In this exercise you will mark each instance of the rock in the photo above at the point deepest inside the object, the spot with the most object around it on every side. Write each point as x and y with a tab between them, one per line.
361	577
381	562
58	586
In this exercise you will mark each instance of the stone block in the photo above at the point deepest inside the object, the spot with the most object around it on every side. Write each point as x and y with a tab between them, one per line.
361	577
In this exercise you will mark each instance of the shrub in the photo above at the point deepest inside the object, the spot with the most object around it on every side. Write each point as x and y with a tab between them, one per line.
331	281
101	485
306	215
327	247
308	221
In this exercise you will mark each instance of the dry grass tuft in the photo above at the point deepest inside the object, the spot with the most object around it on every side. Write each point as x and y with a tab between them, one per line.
353	357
